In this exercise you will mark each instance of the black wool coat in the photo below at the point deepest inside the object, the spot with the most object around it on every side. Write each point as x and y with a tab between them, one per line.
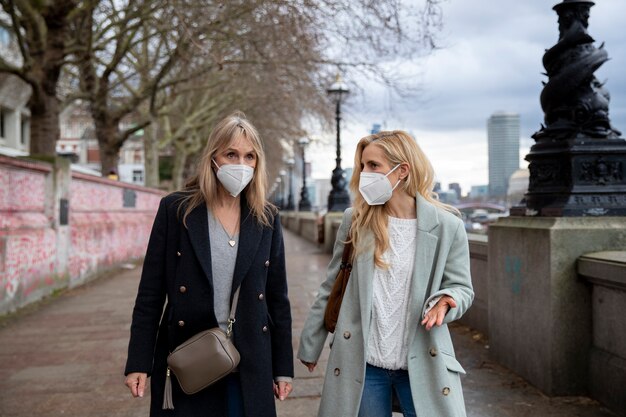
177	269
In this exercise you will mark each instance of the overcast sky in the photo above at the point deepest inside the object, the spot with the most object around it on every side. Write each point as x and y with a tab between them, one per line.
490	61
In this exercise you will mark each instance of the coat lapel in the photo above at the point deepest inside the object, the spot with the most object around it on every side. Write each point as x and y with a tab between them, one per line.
198	230
250	233
427	220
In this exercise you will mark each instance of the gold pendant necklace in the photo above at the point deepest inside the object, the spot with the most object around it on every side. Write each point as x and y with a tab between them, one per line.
231	239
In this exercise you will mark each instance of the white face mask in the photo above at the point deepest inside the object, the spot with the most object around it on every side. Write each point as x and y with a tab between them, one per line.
376	188
234	177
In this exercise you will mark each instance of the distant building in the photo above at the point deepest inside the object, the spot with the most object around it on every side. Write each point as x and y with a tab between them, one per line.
503	135
518	185
14	96
479	192
318	192
448	197
78	140
456	187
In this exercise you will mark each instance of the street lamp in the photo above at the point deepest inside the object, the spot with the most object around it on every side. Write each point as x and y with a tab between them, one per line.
290	205
305	204
279	196
283	189
338	199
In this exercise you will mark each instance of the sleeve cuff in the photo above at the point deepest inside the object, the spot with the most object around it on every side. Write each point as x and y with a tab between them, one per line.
430	305
284	379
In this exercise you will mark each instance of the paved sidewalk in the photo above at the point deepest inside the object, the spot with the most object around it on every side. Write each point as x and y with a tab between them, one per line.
65	356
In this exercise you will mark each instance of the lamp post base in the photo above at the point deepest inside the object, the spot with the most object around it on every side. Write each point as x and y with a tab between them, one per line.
576	177
338	199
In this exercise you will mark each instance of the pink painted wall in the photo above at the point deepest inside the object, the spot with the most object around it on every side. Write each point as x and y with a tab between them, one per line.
101	231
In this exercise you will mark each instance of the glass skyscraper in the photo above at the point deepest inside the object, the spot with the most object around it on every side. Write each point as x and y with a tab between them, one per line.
503	135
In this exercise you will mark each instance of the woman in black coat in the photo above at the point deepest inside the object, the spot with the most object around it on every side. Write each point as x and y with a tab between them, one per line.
216	234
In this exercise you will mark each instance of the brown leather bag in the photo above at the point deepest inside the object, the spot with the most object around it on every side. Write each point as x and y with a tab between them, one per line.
203	359
331	314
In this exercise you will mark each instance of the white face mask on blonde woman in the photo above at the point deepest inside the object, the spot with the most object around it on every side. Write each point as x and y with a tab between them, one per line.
376	188
234	177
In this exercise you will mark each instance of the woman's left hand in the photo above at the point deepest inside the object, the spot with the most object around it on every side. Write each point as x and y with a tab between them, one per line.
436	314
282	390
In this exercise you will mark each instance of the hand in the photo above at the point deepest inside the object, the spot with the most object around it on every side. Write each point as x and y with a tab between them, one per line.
436	314
282	390
309	365
136	381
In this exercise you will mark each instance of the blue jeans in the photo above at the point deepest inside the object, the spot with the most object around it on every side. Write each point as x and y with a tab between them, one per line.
379	386
235	396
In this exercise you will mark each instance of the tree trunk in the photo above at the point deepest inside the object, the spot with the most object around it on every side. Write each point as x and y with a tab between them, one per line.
44	124
107	132
178	170
151	155
47	56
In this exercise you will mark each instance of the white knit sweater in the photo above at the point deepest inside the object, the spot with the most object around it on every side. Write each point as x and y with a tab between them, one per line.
387	344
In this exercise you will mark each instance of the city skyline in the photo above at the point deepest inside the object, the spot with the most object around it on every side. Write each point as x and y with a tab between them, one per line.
490	60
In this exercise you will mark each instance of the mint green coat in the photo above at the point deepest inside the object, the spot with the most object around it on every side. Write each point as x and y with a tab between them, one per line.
441	267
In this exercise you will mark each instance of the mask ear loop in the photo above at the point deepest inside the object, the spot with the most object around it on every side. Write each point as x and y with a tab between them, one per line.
393	169
397	183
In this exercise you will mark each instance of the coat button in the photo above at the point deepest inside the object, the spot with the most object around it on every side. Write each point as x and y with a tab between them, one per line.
337	371
445	391
181	323
346	335
267	263
182	289
178	253
264	329
261	297
432	352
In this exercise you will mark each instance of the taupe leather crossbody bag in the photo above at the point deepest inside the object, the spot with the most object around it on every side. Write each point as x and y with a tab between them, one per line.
203	359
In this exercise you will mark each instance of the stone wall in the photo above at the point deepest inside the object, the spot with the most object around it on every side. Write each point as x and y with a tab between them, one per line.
59	228
477	317
304	223
606	271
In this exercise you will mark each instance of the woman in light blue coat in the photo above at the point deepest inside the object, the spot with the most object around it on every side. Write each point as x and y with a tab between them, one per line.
410	277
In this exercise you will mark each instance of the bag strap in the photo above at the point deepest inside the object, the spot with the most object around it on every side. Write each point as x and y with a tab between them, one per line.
346	261
233	310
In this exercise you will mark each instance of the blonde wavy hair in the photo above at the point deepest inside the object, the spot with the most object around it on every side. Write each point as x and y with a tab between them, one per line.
201	188
399	147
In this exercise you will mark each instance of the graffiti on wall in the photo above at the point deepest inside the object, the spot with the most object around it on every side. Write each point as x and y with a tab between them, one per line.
101	231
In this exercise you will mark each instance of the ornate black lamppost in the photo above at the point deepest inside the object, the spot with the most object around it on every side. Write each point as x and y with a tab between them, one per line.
578	162
290	204
305	204
338	199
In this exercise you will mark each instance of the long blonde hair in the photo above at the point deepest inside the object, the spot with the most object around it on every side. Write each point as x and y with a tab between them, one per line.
201	188
398	147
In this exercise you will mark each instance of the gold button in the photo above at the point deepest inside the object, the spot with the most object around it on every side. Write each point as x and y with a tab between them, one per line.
181	323
182	289
177	253
264	329
261	297
337	371
445	391
267	263
346	335
432	352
